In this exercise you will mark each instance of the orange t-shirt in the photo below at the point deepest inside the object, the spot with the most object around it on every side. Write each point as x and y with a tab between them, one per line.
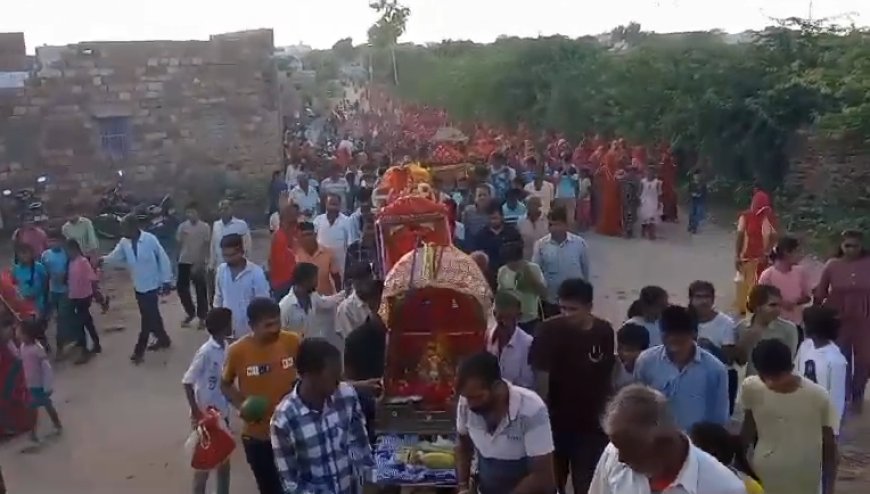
282	259
265	370
326	264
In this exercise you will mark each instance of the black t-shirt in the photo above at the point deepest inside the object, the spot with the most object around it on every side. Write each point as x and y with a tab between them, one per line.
364	350
580	363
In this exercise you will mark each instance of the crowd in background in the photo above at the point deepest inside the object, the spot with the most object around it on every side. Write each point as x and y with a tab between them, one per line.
652	406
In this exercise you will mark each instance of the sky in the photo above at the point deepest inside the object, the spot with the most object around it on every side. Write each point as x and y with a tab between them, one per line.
320	23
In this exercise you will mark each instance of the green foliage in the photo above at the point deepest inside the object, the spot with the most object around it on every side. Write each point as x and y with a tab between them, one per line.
736	105
344	50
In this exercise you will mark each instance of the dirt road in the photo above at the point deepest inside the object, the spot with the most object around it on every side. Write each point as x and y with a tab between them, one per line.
125	425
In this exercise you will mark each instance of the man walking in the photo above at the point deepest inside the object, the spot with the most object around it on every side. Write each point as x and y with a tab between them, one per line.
193	240
238	282
227	224
151	272
561	255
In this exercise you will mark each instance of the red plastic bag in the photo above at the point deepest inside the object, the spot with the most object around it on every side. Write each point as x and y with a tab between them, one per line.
211	443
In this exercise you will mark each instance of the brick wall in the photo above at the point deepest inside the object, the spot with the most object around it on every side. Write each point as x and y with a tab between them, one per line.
184	117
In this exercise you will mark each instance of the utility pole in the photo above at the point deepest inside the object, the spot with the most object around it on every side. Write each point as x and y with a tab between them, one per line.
810	13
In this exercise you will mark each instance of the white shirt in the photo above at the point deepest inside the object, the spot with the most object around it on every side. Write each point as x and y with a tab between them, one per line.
546	194
827	367
701	474
204	374
274	222
352	313
336	236
721	330
346	145
219	230
514	357
235	293
308	202
527	419
291	175
318	322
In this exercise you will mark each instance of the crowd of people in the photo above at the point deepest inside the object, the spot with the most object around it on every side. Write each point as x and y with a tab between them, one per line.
672	399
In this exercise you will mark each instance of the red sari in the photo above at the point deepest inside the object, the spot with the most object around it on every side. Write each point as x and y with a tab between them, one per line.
16	416
668	175
610	214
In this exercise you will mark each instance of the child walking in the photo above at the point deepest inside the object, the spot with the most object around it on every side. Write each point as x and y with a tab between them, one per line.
31	281
631	340
202	387
820	360
56	264
37	374
82	287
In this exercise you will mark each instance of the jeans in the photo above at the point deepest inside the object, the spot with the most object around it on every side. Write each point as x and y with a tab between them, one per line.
151	321
209	284
697	211
579	453
84	322
261	458
200	479
186	276
60	306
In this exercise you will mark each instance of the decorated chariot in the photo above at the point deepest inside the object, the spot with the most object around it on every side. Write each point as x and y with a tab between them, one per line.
435	305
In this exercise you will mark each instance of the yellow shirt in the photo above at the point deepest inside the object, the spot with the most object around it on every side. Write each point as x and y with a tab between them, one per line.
788	455
752	486
265	370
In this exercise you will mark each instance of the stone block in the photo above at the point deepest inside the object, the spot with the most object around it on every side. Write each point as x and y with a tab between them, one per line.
173	62
124	96
155	86
153	62
19	110
98	81
155	136
152	94
196	61
50	73
77	89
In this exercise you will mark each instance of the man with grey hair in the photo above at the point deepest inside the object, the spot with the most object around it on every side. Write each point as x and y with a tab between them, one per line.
649	454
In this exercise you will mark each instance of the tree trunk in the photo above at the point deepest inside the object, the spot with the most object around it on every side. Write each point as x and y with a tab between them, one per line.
395	67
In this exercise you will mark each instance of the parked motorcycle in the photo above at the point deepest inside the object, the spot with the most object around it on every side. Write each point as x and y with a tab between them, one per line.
27	203
116	203
112	207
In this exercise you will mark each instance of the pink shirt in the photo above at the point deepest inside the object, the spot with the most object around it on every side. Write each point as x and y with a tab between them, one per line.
37	370
794	285
81	278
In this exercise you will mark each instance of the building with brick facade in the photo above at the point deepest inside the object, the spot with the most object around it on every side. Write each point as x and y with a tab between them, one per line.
192	118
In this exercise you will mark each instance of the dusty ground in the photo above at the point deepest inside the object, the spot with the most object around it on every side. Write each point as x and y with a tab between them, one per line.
125	425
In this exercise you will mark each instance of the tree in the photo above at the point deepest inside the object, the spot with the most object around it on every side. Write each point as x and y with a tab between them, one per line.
390	26
344	50
630	34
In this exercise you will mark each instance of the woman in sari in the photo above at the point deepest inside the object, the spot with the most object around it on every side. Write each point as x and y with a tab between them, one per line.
16	415
756	235
668	176
610	215
845	287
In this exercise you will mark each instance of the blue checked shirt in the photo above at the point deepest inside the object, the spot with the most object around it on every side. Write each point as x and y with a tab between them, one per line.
321	452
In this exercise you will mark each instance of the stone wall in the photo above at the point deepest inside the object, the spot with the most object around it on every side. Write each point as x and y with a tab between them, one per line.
190	118
831	171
